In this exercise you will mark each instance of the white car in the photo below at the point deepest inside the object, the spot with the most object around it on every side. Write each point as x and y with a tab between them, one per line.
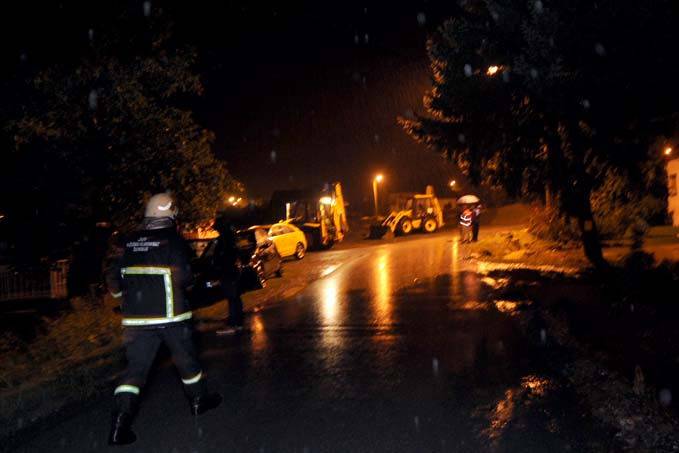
289	240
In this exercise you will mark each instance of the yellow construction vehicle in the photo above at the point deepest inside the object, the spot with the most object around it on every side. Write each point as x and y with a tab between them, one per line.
419	212
320	214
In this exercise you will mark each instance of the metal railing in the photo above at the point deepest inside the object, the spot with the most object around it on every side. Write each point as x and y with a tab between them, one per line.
47	284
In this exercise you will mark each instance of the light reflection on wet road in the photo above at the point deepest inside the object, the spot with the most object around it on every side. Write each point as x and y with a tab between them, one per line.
400	350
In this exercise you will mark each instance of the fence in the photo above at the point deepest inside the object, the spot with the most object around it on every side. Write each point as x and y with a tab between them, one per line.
47	284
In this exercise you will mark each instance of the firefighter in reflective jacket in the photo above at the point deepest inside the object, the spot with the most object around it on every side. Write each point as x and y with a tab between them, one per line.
150	273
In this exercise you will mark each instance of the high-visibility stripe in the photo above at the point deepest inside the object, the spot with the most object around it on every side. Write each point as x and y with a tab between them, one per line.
117	295
126	389
169	294
194	379
156	321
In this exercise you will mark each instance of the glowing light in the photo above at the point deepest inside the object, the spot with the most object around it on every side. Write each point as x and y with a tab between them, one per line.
383	289
455	267
452	183
326	200
668	150
492	70
232	199
379	178
330	298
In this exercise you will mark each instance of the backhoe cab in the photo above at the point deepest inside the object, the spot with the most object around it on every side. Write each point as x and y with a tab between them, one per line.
420	212
320	214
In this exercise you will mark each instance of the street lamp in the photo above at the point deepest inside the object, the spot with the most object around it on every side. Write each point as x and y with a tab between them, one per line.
376	180
668	150
492	70
452	183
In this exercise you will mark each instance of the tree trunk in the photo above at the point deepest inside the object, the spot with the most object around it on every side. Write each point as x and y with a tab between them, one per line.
591	241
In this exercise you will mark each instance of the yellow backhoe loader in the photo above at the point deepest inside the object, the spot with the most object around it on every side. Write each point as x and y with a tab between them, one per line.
320	214
420	212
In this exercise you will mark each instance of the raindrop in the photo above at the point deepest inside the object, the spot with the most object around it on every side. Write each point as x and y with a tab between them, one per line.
90	34
273	156
417	423
366	38
586	104
600	49
147	8
534	73
377	138
356	39
494	15
539	7
435	366
23	57
461	138
631	308
421	18
92	99
468	70
365	10
200	432
665	397
543	336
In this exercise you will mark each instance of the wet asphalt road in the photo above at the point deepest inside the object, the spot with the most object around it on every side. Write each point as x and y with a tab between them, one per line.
397	349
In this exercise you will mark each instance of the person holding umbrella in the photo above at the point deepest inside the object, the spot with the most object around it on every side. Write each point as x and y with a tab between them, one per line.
467	217
476	215
466	225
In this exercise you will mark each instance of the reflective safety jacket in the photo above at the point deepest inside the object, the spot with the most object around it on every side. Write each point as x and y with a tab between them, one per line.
466	219
150	273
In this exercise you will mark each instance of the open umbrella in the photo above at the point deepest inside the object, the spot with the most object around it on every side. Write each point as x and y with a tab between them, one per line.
468	199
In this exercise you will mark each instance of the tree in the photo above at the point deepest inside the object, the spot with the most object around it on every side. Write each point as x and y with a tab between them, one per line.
111	128
547	95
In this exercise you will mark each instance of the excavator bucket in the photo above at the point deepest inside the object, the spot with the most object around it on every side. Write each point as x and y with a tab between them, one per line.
377	231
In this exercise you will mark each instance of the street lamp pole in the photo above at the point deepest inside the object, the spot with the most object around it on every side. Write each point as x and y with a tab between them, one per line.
377	179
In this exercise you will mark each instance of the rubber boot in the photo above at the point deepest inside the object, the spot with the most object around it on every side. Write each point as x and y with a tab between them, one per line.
204	403
121	429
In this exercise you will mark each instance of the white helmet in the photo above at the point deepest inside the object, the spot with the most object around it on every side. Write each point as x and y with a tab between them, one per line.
161	205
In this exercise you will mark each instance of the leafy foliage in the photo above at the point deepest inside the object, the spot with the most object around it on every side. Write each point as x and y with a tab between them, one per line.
114	129
529	95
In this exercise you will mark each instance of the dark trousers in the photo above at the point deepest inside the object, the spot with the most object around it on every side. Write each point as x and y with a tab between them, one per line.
475	231
232	293
141	347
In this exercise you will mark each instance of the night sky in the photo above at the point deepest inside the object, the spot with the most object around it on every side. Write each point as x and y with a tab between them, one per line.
298	93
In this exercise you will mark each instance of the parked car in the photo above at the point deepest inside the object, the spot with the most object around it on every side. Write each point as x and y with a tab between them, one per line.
289	240
258	260
263	249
